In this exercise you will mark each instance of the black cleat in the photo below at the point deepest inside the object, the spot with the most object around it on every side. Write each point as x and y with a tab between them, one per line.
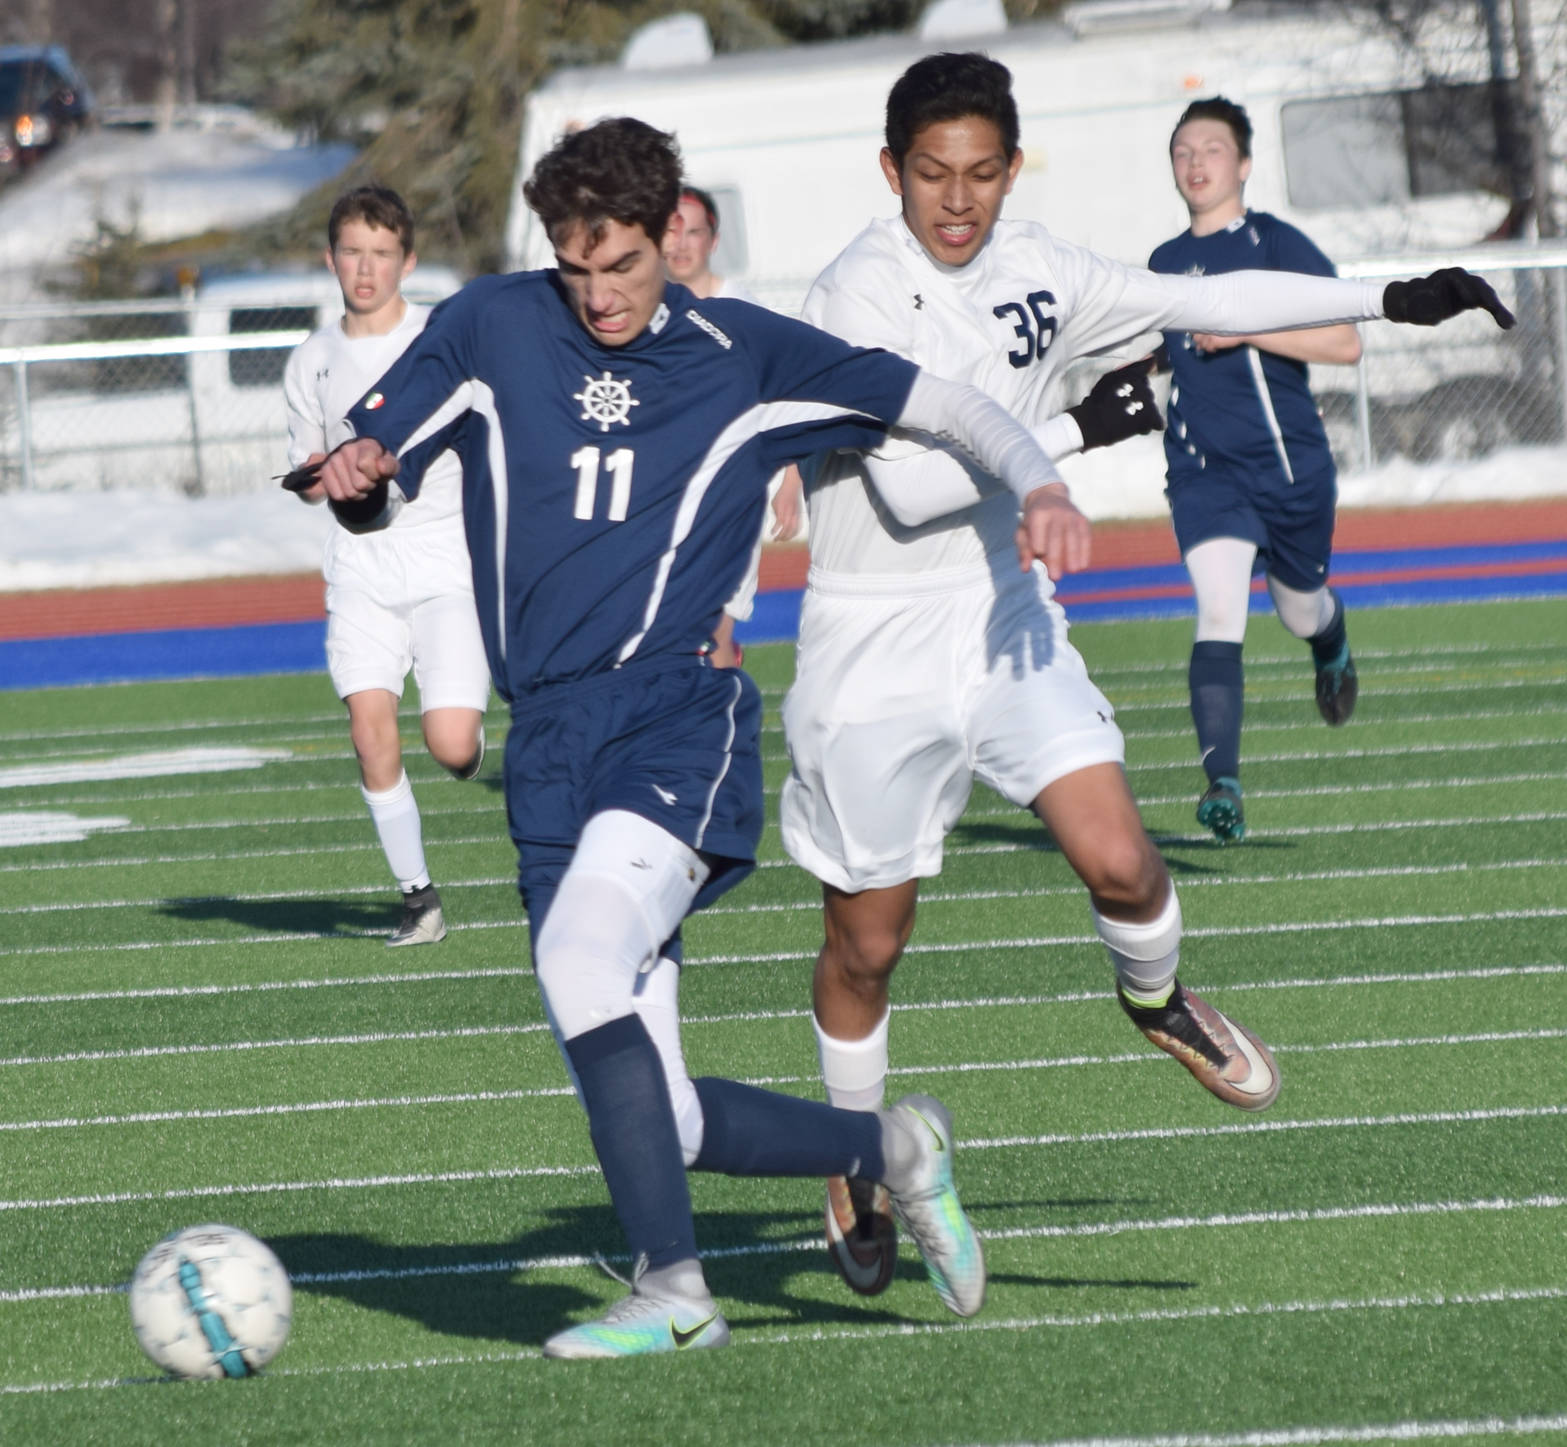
1337	689
1220	810
862	1237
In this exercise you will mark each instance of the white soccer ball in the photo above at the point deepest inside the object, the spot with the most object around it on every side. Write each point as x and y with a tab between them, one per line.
211	1301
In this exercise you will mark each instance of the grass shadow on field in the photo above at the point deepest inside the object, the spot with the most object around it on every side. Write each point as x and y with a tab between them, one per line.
350	918
512	1291
1175	848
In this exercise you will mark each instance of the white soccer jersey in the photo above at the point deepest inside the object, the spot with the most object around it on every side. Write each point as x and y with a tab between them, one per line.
327	374
1009	321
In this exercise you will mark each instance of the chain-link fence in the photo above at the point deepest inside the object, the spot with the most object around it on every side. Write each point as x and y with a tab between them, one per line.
181	395
187	395
1462	390
186	398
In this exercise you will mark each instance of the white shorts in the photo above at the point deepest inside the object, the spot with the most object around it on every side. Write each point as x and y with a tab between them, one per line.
403	599
900	702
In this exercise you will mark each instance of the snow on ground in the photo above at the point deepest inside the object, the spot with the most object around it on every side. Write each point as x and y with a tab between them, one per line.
93	539
170	184
1127	480
97	539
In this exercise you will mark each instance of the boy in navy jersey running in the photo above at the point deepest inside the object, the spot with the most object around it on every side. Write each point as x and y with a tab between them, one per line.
1250	477
617	436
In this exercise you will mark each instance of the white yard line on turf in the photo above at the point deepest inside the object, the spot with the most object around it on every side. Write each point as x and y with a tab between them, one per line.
123	828
935	896
1408	1430
773	726
984	1002
488	1097
1027	942
494	838
302	1042
1307	756
174	992
1496	656
490	807
1221	1222
386	1037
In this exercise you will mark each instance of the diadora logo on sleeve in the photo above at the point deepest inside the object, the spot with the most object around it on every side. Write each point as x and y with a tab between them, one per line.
710	329
605	400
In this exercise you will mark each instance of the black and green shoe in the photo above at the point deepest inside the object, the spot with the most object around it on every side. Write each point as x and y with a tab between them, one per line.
1337	689
1220	810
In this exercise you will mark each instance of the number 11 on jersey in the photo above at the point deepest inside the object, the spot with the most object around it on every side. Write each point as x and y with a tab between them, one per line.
618	464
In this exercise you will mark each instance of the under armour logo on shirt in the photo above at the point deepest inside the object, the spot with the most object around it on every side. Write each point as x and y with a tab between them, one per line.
919	302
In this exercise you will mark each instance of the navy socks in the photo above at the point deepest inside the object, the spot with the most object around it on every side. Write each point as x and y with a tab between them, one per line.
636	1139
1330	646
746	1132
1217	683
751	1132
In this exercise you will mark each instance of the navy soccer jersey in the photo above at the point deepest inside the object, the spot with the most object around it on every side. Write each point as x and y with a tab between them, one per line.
612	495
1242	411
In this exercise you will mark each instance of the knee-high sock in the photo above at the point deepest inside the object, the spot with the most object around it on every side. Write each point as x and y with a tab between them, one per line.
854	1071
1331	645
395	814
751	1132
1144	955
1217	683
634	1134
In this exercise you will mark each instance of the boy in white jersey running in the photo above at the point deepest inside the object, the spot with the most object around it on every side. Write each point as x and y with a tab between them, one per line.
400	598
926	657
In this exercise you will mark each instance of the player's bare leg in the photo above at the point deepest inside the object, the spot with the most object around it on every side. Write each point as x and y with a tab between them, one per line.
455	739
372	724
1094	819
865	937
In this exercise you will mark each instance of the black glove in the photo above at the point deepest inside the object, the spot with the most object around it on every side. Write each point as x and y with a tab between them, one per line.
367	514
1119	405
301	479
1428	300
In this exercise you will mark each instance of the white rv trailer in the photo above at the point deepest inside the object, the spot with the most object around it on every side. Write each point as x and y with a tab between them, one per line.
1349	145
1355	143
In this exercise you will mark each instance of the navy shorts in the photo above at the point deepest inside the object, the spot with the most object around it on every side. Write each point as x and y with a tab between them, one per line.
675	741
1291	523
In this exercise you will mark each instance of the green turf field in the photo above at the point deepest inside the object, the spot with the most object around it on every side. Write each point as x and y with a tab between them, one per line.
198	1021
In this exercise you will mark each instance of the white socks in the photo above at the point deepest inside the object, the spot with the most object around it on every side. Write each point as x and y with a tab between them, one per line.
854	1071
1144	955
396	819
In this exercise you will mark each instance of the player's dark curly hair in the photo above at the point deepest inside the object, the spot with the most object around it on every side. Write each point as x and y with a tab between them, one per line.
948	87
618	170
1217	108
375	206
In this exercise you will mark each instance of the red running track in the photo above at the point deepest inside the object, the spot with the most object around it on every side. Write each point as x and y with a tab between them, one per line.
62	612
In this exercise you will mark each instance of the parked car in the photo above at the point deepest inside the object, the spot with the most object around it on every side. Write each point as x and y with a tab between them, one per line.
43	100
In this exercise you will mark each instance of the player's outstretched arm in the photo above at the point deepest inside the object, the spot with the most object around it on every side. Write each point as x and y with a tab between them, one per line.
1429	300
356	478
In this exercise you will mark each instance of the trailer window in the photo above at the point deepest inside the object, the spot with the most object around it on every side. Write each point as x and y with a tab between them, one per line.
1369	150
733	256
264	367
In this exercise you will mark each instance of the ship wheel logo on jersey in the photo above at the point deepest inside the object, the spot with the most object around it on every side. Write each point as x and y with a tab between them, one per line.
605	400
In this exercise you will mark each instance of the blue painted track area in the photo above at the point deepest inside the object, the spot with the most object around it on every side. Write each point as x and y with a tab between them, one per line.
1367	579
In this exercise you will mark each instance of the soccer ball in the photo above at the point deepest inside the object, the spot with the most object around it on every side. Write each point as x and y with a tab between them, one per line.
211	1301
